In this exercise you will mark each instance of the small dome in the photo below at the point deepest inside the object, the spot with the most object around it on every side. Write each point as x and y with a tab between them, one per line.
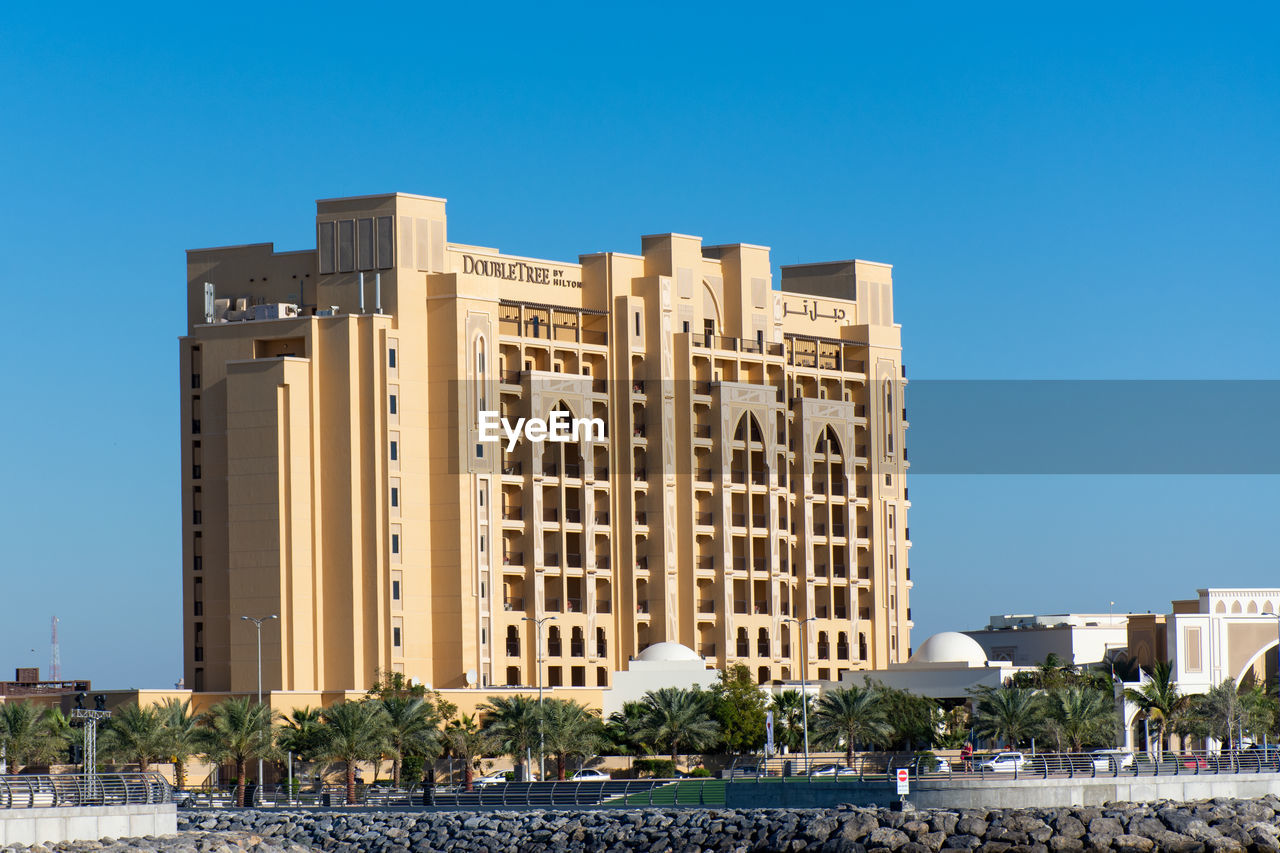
668	652
950	647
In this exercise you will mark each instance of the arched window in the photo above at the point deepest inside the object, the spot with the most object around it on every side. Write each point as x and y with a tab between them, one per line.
744	644
513	641
762	644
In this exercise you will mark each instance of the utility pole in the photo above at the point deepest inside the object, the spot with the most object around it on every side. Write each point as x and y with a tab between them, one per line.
257	623
804	683
542	736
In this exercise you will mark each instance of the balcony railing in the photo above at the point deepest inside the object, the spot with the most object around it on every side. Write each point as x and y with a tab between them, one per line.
638	432
513	604
513	558
642	564
707	650
512	513
642	517
702	431
642	607
864	532
739	607
703	518
551	513
702	475
553	606
573	516
641	475
604	605
706	564
739	519
637	386
509	377
513	470
551	559
574	561
573	605
513	648
739	476
759	522
602	516
707	606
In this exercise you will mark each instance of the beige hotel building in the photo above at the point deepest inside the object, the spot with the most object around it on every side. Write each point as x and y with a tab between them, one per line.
333	472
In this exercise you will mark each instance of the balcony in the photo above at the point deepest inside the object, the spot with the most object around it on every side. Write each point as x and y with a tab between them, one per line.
707	650
864	532
702	431
702	389
602	516
739	519
573	516
702	475
637	386
638	432
574	561
573	605
513	558
739	476
513	648
641	475
642	607
577	649
642	564
739	607
841	612
551	513
555	648
551	470
553	606
604	605
762	648
744	649
759	522
602	473
707	606
513	604
819	529
706	519
572	471
820	486
864	612
515	470
509	377
642	518
706	564
837	530
821	611
760	478
842	651
512	513
602	562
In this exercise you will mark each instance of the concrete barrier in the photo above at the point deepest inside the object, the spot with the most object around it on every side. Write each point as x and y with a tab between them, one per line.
944	793
86	823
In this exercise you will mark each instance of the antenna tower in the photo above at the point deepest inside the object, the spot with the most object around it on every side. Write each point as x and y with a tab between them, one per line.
56	663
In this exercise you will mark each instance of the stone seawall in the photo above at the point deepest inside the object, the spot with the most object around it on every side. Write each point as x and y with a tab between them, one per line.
1179	827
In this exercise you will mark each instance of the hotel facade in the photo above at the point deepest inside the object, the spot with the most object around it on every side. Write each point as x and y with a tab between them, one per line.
747	501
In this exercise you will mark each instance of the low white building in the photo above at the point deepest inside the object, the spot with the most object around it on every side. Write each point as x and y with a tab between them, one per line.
947	666
660	665
1079	639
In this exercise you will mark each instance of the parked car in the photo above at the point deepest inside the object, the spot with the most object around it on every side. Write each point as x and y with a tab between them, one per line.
1111	759
491	779
833	770
1195	762
932	765
1003	762
748	769
589	775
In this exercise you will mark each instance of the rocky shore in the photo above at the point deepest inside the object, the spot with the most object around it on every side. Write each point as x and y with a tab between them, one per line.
1211	825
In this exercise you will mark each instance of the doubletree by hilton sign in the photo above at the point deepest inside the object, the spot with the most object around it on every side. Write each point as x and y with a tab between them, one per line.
516	271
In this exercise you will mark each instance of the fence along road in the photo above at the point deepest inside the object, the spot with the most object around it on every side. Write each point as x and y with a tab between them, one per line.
77	790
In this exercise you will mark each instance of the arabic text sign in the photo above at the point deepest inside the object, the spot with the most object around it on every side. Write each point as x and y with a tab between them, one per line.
811	311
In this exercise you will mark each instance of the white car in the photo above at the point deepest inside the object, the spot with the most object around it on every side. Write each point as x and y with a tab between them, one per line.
1004	762
1110	760
937	765
491	779
589	775
833	770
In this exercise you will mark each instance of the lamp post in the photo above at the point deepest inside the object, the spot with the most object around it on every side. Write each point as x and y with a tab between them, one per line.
257	623
804	684
542	737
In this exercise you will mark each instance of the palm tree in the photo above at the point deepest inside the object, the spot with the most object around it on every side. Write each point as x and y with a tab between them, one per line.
353	731
1080	716
788	713
237	730
675	718
622	728
180	734
136	734
1012	714
1160	702
302	733
26	735
464	739
849	715
571	730
513	721
411	730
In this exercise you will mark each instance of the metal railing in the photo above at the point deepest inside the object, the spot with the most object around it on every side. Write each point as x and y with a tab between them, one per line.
98	789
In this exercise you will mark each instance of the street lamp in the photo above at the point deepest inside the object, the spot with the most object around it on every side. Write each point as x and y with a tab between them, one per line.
257	623
804	684
542	737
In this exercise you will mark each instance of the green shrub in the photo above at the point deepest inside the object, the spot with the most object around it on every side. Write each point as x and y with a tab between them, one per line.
659	768
699	773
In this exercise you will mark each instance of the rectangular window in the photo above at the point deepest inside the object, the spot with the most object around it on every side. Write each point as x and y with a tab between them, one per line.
395	637
393	404
395	450
686	326
479	451
347	245
1191	652
395	543
395	496
637	324
391	359
364	253
386	239
480	496
395	590
481	543
327	247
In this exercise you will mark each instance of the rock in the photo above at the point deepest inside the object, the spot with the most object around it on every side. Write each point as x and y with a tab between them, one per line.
887	837
932	840
962	842
1066	843
1132	844
971	826
1068	826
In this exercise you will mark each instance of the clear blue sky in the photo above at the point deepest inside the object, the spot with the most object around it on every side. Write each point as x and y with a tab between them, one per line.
1069	192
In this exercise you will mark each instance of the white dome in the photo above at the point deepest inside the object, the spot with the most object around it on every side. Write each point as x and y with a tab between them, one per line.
950	647
661	652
